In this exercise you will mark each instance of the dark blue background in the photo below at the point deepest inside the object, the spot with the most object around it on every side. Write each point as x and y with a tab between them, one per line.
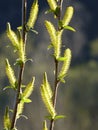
10	11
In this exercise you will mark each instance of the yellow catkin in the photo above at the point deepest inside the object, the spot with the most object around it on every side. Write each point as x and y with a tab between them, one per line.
48	87
33	14
55	37
10	73
7	121
57	47
52	32
29	88
52	4
66	64
67	16
20	109
21	50
47	101
12	36
45	125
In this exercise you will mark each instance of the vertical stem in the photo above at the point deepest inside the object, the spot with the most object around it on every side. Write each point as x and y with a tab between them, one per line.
61	2
56	82
14	118
24	10
56	85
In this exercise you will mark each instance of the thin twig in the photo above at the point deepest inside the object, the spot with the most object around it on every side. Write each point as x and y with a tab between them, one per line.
14	118
56	85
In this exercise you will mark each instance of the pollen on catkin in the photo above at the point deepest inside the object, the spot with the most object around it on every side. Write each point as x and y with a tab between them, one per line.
68	15
10	73
52	4
33	15
12	36
52	32
45	125
29	88
66	64
57	46
48	87
47	101
7	121
21	51
20	109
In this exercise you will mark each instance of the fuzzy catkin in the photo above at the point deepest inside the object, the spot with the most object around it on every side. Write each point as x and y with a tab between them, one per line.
45	125
20	109
52	31
10	73
12	36
48	87
47	101
68	15
21	50
52	4
7	121
66	64
29	88
33	15
57	46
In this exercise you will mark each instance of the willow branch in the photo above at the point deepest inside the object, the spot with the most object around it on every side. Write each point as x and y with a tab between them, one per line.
56	82
56	85
14	118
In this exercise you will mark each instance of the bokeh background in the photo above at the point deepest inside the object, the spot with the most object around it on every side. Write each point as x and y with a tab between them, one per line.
78	98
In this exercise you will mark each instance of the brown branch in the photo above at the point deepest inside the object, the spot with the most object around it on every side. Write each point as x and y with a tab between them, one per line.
56	82
14	118
56	85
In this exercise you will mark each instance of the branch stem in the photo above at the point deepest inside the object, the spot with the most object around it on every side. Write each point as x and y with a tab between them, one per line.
56	82
56	85
20	78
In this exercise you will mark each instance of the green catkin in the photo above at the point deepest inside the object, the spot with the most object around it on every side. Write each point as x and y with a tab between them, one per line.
29	88
20	109
48	88
67	16
12	36
52	32
22	56
47	101
7	121
26	93
10	73
52	4
33	15
66	64
45	125
57	47
55	37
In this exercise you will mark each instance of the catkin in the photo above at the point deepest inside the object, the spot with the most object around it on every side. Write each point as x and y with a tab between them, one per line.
66	64
68	15
47	101
45	125
12	36
48	87
52	4
57	46
33	14
52	32
29	88
7	121
10	73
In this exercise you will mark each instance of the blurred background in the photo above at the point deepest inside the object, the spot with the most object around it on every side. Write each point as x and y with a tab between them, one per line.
78	98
